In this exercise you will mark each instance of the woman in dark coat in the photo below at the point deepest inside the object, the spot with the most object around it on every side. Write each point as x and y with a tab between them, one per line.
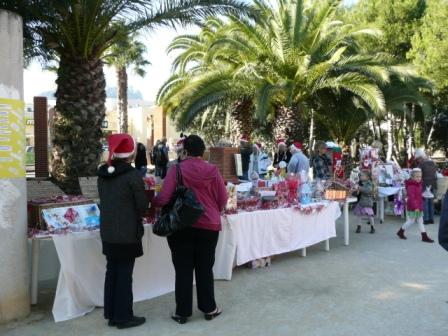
443	226
141	162
122	201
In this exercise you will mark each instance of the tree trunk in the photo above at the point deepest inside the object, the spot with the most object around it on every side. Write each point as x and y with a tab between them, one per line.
287	123
79	113
241	115
390	142
311	141
122	99
431	131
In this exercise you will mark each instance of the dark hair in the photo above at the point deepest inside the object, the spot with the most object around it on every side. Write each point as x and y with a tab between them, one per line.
194	145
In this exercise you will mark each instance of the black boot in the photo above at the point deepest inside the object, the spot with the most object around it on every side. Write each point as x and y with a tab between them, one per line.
358	229
372	229
134	322
400	234
426	239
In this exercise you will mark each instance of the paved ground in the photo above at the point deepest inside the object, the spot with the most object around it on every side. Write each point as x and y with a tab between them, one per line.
379	286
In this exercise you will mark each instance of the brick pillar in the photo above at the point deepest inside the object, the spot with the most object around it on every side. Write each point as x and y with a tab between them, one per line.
41	136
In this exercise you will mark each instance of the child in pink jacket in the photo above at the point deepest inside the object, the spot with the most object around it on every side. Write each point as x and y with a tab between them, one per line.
414	190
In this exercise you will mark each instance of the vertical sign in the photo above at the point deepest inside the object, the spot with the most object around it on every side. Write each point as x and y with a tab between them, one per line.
12	139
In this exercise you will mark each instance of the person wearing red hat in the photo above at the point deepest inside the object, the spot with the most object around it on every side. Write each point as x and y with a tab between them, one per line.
122	202
282	153
299	162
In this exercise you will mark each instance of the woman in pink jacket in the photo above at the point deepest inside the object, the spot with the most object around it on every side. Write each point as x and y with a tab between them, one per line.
193	249
414	190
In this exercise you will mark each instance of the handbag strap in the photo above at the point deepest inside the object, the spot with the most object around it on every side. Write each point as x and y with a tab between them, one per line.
179	180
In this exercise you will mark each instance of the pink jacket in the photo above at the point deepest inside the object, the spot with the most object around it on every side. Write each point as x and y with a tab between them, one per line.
208	185
414	192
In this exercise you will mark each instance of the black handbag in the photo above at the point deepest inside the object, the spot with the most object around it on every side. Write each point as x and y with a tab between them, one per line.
181	212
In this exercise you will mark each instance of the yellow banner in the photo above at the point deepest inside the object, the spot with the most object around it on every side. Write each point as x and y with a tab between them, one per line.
12	139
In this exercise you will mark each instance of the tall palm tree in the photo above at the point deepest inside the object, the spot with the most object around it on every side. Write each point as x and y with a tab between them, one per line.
78	32
291	54
126	52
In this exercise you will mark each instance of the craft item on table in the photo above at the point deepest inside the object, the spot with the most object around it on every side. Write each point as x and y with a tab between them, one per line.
232	197
311	208
74	218
427	193
319	189
281	193
150	182
282	169
305	193
368	156
385	174
292	182
336	191
35	207
248	204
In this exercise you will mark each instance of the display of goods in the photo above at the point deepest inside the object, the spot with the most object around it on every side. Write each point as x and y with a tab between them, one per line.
35	207
336	191
72	218
336	195
248	204
269	204
150	182
292	183
232	197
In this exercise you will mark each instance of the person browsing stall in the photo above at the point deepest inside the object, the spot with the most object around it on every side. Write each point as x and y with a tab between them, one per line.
122	202
193	249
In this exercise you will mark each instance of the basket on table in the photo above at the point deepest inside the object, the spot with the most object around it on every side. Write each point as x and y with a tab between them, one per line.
336	192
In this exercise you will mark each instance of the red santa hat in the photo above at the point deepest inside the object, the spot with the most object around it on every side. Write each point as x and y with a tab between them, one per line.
296	145
281	142
244	138
120	146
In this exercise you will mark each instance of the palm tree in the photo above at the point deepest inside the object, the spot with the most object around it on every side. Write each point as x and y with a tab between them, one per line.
77	33
291	54
126	52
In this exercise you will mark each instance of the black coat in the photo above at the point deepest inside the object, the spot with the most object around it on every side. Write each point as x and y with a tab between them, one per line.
122	202
443	226
140	158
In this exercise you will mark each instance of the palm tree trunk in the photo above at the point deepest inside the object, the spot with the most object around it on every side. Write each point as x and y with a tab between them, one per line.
79	113
287	123
241	115
390	133
311	141
431	131
122	98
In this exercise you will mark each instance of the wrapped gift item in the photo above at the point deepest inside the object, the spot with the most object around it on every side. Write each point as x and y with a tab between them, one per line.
35	207
72	218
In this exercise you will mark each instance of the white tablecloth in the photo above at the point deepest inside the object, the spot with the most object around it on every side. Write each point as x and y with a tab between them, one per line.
265	233
388	191
245	237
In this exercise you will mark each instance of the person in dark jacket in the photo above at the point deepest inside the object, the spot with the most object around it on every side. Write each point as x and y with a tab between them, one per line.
282	153
429	176
141	161
320	162
122	201
443	226
245	151
193	249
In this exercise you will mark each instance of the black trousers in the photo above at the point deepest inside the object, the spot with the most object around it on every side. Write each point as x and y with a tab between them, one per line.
194	250
118	298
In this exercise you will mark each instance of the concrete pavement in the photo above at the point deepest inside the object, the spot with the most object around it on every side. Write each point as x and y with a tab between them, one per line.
379	286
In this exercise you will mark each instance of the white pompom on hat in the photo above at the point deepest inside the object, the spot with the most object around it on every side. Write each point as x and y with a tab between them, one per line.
121	146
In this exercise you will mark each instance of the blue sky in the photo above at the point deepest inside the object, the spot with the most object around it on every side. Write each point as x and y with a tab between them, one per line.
37	81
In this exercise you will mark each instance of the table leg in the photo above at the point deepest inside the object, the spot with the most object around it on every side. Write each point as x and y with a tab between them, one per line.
327	245
381	210
304	252
346	225
34	270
